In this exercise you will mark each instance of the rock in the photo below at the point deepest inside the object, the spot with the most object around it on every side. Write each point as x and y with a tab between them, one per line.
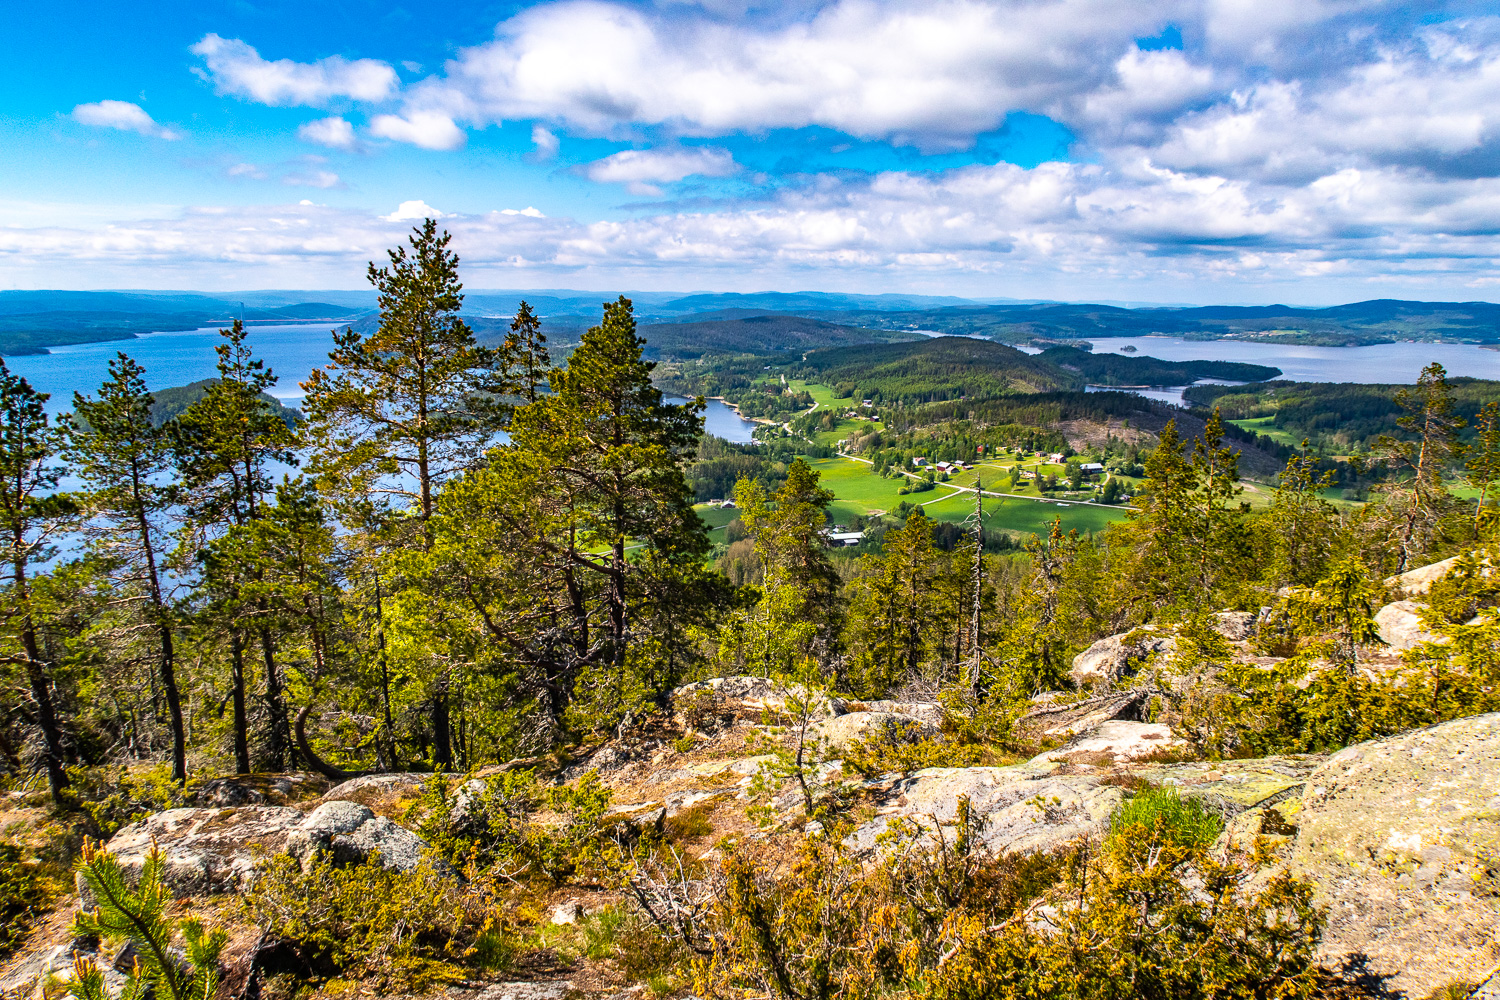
206	851
1400	836
258	789
1236	626
29	976
370	788
567	913
630	820
842	730
751	695
1235	786
349	833
1114	742
929	712
1118	656
1416	582
212	851
1400	625
1026	807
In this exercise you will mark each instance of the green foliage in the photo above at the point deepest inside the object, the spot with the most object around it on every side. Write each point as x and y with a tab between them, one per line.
113	797
1112	369
1169	818
493	833
898	748
1153	915
139	912
401	930
24	895
939	368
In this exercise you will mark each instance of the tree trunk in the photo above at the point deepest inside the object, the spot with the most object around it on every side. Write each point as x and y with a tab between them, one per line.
41	690
442	756
241	734
168	653
280	733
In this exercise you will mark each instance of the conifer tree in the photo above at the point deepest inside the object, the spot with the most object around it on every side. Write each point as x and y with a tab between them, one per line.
226	445
1302	525
526	350
1484	460
400	411
787	527
1417	502
1217	529
122	458
31	517
895	626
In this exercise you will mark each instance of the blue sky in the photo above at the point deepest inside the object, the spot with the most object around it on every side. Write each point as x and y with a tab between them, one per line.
1220	150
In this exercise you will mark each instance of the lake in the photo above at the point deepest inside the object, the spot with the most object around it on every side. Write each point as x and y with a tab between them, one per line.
1383	363
290	350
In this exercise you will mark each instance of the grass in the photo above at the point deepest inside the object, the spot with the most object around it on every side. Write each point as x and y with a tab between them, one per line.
716	518
859	491
1266	426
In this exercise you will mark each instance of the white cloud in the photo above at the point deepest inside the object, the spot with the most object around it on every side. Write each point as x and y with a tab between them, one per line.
410	210
546	142
937	72
312	178
428	129
638	168
248	171
528	211
335	133
236	68
122	115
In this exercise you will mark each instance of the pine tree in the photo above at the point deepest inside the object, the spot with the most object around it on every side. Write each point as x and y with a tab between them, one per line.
31	516
226	445
399	412
122	458
1218	536
895	626
1301	525
1417	503
788	530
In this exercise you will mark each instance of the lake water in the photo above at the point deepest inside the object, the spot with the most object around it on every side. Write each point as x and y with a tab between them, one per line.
291	351
1380	363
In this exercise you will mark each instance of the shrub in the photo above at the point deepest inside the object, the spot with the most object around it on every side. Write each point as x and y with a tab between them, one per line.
115	797
899	747
404	930
24	893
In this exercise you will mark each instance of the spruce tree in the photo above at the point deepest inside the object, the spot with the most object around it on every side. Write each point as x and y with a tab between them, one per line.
123	460
1483	465
526	350
1420	460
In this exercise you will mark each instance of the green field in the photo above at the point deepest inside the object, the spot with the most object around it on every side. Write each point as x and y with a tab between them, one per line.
1266	426
859	491
716	518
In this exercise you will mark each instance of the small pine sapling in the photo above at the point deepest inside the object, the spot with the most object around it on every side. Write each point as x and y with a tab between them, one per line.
139	913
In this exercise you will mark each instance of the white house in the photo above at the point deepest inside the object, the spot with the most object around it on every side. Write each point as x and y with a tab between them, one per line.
1091	468
845	537
919	462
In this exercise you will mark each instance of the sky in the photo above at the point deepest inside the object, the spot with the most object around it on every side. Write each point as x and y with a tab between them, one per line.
1303	151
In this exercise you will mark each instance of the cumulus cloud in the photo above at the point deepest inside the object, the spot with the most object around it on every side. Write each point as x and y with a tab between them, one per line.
122	115
236	68
637	169
428	129
313	179
335	133
409	210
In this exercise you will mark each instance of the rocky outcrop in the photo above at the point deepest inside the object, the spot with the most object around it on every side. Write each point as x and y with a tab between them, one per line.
258	790
1402	837
1116	741
1117	656
212	851
1416	582
1400	625
1026	807
841	730
750	695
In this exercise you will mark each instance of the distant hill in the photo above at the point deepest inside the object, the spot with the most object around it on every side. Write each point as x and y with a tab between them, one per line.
933	369
1111	369
32	321
756	335
170	403
1374	321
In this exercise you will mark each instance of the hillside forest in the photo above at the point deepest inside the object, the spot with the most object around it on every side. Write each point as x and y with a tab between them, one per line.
483	565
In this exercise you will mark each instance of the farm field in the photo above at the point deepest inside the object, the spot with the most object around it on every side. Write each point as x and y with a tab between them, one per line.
859	491
716	518
1266	426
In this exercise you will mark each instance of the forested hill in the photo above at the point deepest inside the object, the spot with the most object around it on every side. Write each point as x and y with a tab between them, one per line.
756	335
1112	369
933	369
32	321
171	402
1332	415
